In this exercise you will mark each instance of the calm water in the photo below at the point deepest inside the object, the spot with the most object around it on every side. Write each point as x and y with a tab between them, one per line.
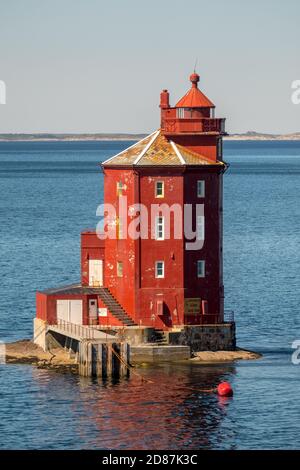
49	193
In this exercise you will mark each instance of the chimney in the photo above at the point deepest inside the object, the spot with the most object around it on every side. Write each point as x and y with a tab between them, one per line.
164	99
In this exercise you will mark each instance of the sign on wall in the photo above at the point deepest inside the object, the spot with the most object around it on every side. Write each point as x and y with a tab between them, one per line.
102	312
192	305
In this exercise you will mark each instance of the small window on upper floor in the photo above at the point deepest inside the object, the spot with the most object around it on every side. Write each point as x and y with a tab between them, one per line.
159	269
120	188
200	188
119	228
119	268
159	189
200	228
159	228
200	268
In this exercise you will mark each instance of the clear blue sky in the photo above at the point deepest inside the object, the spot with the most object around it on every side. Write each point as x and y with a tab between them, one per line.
99	66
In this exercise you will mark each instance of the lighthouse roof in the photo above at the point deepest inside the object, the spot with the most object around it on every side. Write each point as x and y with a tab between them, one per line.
194	98
157	150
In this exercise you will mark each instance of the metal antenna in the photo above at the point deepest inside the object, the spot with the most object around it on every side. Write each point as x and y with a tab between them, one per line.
196	61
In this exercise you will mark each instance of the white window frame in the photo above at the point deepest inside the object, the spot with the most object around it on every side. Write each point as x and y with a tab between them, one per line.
180	113
157	275
200	268
119	228
120	188
162	188
119	268
200	228
159	227
200	188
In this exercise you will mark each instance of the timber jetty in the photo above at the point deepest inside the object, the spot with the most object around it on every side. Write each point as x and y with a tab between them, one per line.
97	353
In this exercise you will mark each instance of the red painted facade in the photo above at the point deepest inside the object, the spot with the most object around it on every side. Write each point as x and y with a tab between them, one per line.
190	132
46	305
91	248
161	302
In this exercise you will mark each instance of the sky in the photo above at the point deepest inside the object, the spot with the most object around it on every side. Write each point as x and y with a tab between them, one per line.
99	66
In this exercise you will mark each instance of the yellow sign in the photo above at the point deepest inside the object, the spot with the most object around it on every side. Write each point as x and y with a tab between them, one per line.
192	305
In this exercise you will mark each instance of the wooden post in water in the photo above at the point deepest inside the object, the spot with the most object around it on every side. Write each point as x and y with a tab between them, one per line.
89	371
81	358
98	359
109	360
125	356
115	360
104	360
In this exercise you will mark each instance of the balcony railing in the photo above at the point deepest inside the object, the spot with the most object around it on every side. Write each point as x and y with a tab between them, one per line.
174	125
211	318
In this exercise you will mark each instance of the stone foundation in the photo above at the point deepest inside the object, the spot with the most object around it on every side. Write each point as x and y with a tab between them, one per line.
134	335
39	333
158	354
206	337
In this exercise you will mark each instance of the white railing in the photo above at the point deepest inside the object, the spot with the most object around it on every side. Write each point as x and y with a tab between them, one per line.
81	331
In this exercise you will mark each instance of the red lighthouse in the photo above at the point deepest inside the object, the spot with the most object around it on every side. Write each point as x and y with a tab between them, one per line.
156	275
160	280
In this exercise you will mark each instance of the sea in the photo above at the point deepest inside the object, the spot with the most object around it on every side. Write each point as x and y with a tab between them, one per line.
49	193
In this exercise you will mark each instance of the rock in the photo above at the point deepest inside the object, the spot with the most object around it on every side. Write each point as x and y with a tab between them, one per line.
224	356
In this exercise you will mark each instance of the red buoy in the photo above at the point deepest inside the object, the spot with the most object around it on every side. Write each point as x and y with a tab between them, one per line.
224	389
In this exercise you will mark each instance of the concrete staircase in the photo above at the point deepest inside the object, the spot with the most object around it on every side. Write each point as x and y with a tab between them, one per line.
114	307
160	337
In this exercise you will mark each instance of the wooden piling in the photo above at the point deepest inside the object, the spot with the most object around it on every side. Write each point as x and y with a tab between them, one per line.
97	359
104	360
109	360
125	358
89	359
115	360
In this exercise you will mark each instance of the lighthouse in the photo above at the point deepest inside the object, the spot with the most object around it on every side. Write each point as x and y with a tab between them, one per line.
157	262
162	280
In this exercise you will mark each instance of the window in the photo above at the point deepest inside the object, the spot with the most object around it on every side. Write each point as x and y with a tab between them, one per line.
159	269
119	227
180	113
120	188
159	189
200	268
200	188
220	149
159	228
120	269
200	227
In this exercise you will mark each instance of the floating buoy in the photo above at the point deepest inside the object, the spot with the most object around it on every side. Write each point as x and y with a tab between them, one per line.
224	389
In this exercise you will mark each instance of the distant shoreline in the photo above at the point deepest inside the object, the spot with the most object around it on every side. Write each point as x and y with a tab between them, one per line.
44	137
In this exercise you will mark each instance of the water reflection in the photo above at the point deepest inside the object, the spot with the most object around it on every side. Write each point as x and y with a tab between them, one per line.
167	413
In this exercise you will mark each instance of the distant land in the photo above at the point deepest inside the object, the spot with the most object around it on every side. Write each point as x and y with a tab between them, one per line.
45	137
252	135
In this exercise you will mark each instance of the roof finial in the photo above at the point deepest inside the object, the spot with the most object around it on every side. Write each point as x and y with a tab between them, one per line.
194	78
